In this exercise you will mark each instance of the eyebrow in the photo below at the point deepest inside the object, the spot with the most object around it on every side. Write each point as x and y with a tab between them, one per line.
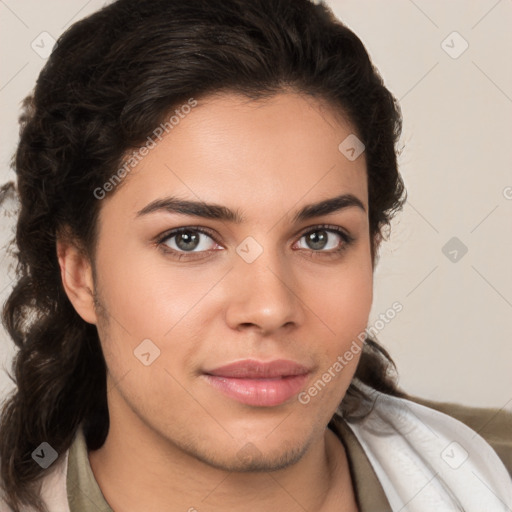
219	212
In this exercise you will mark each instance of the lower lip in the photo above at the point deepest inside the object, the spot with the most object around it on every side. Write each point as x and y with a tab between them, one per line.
259	392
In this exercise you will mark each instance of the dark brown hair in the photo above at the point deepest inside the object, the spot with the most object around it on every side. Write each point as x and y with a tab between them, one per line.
111	79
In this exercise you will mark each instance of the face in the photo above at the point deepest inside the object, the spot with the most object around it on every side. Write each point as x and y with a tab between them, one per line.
282	294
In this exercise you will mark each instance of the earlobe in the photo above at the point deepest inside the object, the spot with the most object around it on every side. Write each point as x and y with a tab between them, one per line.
77	279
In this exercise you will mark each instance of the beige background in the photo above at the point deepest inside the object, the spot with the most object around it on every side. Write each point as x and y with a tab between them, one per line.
453	338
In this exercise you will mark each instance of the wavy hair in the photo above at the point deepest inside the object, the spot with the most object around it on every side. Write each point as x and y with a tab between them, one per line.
99	97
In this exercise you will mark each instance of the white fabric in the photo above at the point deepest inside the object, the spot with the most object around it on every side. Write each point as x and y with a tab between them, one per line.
429	461
53	489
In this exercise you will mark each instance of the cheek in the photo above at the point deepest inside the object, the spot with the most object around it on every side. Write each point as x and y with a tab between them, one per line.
344	312
343	307
146	296
343	299
147	300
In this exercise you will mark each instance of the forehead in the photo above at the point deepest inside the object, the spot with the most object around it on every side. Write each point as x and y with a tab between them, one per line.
259	155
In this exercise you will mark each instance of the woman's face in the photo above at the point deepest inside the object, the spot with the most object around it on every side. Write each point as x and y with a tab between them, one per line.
267	285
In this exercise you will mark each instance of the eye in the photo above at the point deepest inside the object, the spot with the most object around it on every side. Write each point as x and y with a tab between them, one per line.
326	238
195	242
187	240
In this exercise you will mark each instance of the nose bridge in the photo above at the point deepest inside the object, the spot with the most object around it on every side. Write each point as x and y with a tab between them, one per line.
264	292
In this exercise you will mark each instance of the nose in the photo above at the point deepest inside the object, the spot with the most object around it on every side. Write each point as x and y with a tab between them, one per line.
264	295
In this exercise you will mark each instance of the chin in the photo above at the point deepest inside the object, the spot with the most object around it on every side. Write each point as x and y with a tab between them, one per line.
252	458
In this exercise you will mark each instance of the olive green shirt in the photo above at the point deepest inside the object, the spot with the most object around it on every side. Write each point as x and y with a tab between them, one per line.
495	426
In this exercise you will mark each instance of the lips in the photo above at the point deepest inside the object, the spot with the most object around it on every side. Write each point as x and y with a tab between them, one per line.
260	384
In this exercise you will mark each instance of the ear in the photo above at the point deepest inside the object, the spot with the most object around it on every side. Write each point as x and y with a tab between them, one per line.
376	241
77	279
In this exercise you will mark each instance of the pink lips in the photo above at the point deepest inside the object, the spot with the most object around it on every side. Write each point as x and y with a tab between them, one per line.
258	383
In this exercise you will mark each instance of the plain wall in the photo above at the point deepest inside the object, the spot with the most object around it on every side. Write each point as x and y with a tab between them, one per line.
453	339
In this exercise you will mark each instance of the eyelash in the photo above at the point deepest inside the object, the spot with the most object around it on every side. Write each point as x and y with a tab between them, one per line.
347	240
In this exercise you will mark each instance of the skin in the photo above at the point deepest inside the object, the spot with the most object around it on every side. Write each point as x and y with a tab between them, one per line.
175	442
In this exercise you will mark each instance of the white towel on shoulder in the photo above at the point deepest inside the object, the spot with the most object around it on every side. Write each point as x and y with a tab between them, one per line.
428	461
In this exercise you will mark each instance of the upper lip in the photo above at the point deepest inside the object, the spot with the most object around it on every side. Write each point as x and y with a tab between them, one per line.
252	369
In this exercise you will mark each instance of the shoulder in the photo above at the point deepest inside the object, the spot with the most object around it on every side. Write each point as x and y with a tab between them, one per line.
494	425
